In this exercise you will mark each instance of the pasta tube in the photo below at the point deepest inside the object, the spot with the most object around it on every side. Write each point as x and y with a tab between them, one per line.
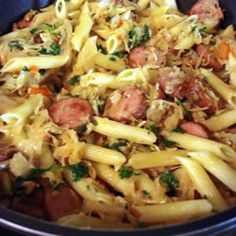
194	143
117	130
22	112
203	183
145	160
175	211
221	121
103	155
225	90
217	167
110	176
88	189
105	62
83	29
42	62
82	220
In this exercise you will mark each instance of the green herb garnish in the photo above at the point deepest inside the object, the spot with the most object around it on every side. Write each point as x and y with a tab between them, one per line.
74	80
178	130
50	27
81	129
170	180
33	31
54	50
119	54
136	40
125	172
202	29
79	171
25	69
146	193
117	145
15	44
111	58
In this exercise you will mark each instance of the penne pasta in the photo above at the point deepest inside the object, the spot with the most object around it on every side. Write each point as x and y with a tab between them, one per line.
82	220
106	62
117	130
221	121
144	160
226	91
216	167
111	177
104	155
203	183
194	143
88	190
173	212
82	30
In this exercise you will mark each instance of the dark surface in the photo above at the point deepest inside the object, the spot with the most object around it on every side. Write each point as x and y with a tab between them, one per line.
223	223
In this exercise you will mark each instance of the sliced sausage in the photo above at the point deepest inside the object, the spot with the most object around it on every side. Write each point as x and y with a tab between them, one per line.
195	129
171	85
138	57
142	56
207	9
126	104
209	58
37	38
61	202
71	112
197	95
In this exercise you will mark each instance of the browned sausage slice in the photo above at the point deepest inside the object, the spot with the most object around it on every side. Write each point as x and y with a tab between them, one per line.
194	129
209	58
138	57
61	202
71	112
207	9
130	104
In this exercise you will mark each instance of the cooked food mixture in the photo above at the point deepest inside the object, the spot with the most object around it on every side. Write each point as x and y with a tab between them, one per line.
118	114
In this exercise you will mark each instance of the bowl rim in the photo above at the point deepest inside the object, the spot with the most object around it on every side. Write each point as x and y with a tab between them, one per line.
218	223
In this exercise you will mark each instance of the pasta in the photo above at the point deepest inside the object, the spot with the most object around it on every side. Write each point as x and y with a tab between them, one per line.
118	114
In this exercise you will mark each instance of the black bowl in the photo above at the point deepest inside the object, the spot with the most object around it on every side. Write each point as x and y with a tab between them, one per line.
223	223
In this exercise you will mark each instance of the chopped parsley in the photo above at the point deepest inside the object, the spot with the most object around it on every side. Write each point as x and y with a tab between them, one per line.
15	44
74	80
25	69
33	31
81	129
79	171
202	29
152	128
117	145
168	143
178	130
119	54
50	27
146	193
125	172
54	50
136	40
171	181
112	58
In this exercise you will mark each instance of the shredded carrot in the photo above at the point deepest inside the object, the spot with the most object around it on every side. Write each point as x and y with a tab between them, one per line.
42	90
23	24
223	51
34	68
120	23
119	37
